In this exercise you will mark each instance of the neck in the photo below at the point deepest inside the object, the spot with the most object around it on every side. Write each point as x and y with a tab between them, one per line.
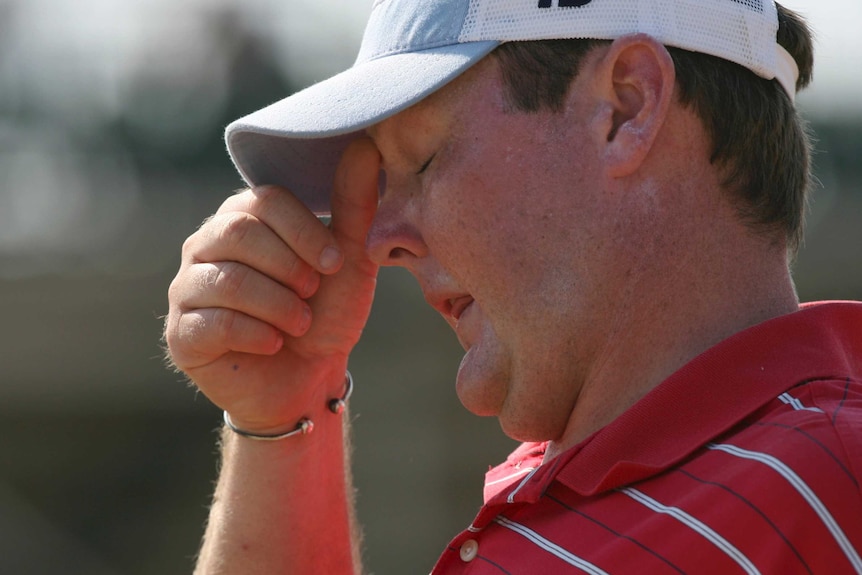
672	313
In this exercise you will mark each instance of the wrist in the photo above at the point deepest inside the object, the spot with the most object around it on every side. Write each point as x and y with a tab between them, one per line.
302	426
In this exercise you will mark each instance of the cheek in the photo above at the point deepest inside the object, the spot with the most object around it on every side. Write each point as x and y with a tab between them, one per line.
461	219
504	204
492	240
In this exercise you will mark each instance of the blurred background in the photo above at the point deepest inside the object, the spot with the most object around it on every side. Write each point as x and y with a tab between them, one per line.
111	153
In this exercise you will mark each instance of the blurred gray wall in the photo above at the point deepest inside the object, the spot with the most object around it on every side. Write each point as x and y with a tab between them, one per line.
106	165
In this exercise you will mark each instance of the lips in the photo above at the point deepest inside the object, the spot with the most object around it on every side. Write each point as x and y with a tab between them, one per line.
454	308
461	322
458	305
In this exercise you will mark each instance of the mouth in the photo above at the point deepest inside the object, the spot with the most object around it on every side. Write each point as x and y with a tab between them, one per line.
458	306
450	306
455	309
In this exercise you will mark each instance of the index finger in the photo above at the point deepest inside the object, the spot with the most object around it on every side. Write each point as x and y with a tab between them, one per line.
354	195
308	237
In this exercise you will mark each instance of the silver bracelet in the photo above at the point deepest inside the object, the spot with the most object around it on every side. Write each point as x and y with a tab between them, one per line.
305	425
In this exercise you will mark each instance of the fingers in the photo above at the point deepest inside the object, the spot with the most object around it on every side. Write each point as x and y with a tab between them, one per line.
224	307
235	286
292	222
241	237
253	273
241	286
201	336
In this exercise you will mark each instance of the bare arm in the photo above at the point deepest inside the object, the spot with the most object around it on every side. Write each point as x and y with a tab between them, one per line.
282	507
263	315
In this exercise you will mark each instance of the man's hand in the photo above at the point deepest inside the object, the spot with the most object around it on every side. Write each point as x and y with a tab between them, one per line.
269	302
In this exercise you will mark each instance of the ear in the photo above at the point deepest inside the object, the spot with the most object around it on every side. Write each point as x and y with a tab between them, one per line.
635	79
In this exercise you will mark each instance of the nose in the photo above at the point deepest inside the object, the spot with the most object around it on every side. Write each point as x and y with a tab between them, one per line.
394	238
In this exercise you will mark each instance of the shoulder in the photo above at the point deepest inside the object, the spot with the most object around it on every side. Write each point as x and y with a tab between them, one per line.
783	486
797	463
814	429
820	415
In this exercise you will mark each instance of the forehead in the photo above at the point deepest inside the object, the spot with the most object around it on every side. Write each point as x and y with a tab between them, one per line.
474	89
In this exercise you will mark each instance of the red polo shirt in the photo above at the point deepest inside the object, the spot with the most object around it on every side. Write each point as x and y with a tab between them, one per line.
746	460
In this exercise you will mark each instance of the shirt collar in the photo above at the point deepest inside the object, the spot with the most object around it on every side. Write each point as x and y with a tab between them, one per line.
706	397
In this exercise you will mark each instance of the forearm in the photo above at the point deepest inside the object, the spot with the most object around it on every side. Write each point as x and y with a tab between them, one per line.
284	507
264	312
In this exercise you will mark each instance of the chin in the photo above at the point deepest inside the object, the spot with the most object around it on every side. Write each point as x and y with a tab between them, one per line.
477	403
480	386
520	430
480	397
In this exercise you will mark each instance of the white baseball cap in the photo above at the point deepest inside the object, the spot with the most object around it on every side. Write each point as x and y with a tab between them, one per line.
411	48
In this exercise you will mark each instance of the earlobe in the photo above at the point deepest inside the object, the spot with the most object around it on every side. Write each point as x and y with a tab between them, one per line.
637	82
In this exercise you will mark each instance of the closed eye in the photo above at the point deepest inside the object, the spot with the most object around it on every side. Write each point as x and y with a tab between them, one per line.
426	164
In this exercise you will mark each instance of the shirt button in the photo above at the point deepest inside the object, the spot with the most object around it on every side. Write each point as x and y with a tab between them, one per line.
469	550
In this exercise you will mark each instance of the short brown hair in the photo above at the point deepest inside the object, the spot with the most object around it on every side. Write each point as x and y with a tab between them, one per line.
758	139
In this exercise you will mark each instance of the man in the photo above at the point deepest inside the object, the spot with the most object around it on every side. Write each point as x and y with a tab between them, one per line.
606	223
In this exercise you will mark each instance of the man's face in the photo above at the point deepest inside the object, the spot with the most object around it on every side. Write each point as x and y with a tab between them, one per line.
502	218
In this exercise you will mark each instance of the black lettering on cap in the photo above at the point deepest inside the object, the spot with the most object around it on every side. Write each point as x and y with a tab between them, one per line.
563	3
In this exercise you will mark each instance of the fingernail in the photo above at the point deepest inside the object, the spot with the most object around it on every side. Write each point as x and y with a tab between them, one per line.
330	258
305	322
311	285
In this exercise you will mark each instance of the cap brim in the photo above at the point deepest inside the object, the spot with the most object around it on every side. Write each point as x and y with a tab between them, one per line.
297	142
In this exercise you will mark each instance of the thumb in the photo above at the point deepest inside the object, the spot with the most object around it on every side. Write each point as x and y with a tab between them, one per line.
354	196
343	302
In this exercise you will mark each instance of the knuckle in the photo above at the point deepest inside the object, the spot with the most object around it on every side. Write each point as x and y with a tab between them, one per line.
182	334
238	201
223	323
234	229
230	279
305	231
242	194
177	290
190	244
171	338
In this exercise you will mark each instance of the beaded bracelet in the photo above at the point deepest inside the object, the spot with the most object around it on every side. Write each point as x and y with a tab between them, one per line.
305	425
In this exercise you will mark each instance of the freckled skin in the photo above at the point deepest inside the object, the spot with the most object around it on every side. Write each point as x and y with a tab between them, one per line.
581	257
508	212
595	243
